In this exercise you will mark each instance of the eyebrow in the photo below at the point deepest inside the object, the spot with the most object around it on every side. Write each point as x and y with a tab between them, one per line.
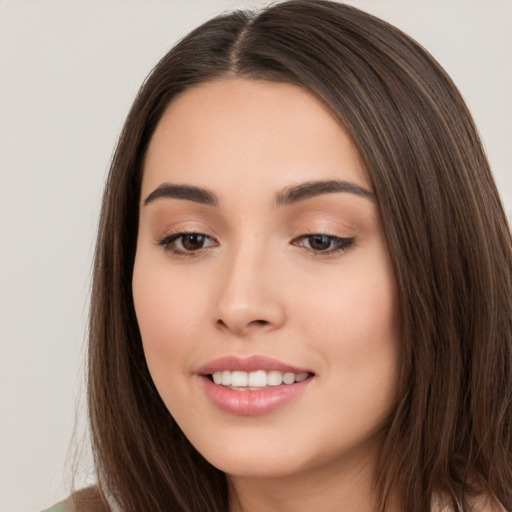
290	195
310	189
187	192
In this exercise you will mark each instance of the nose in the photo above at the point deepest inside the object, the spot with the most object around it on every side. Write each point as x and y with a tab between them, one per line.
250	298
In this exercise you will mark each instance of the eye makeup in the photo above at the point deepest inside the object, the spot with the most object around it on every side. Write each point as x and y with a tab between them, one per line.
323	244
187	243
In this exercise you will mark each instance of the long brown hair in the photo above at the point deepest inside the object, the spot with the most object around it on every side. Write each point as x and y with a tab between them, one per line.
447	235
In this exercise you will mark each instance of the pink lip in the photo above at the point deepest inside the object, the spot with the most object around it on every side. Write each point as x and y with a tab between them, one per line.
248	364
256	401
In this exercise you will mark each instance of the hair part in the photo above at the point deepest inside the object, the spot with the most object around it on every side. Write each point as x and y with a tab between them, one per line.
450	434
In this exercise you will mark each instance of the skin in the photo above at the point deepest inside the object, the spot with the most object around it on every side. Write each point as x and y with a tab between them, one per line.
259	287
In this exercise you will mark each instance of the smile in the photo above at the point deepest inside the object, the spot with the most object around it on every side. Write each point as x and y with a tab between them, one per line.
253	385
259	379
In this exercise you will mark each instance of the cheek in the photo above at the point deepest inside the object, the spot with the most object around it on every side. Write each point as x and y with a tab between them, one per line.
354	322
357	306
167	311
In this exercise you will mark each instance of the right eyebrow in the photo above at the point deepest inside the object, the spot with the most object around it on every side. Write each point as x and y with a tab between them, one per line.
186	192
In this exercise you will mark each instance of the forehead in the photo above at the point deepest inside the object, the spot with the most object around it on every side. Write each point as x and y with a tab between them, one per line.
251	131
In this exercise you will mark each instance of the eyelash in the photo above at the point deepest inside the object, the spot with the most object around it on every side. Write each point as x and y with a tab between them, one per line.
168	241
337	244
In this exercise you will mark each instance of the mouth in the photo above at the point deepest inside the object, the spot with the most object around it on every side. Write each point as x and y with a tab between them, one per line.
256	380
254	385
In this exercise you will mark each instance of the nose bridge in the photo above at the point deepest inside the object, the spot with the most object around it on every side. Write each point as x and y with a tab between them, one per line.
248	296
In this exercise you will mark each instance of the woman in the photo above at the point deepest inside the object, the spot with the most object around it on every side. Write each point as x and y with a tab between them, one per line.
303	280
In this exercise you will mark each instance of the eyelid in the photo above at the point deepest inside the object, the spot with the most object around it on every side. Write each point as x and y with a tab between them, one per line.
338	244
342	244
166	241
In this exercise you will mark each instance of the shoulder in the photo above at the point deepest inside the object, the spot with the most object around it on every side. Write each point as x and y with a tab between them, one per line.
63	506
84	500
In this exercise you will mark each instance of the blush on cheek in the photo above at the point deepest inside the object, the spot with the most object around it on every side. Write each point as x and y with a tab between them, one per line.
162	304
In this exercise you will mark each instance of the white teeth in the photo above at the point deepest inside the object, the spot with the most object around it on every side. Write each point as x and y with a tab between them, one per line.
289	378
239	379
275	378
256	379
226	378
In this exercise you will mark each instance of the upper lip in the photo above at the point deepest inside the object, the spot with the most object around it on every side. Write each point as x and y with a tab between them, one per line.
249	364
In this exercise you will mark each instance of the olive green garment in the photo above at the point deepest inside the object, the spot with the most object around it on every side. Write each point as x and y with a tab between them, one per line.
60	507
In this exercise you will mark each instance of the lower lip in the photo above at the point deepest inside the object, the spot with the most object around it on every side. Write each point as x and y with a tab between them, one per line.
253	402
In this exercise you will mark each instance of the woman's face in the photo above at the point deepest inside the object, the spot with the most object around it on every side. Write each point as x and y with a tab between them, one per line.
262	284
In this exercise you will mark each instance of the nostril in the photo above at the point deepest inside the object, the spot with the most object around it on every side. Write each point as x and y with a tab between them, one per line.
259	322
233	326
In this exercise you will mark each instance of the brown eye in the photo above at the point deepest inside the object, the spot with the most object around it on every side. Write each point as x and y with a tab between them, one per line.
193	241
186	243
328	244
320	242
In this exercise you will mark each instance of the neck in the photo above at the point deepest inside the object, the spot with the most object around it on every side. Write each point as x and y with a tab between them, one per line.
346	487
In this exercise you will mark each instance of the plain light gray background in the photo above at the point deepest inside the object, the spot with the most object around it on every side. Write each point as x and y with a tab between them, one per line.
69	70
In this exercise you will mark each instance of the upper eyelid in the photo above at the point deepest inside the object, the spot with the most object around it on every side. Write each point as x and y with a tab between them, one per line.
174	236
334	237
182	232
167	242
349	241
322	233
169	238
193	230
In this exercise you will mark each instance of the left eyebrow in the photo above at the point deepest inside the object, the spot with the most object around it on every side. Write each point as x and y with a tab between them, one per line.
310	189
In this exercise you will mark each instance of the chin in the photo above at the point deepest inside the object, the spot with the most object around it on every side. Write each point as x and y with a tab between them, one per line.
258	467
257	459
